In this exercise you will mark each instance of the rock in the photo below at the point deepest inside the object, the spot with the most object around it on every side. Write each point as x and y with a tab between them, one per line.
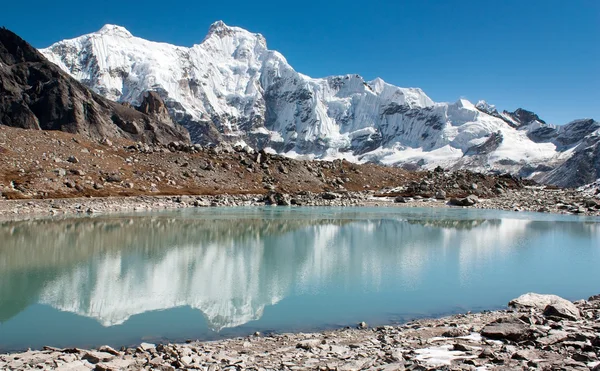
109	350
73	160
147	346
561	309
467	201
114	365
309	344
186	361
400	199
362	325
73	366
283	199
514	331
440	195
524	355
460	347
555	336
96	357
539	301
60	172
77	172
113	178
594	298
455	332
487	353
329	196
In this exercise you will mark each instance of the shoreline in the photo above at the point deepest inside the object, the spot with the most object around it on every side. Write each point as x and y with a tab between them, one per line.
535	332
528	200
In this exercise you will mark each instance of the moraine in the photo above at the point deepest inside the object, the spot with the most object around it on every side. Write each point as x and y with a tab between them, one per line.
205	274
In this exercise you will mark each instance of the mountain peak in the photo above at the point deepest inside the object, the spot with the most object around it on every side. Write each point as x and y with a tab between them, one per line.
221	30
111	29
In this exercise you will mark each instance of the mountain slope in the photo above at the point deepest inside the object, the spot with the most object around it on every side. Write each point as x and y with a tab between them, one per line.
36	94
232	87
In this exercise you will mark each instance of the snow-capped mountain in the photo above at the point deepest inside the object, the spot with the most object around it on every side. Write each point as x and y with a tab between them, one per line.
232	87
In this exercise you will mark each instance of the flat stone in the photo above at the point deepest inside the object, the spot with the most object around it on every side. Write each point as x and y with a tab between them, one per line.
147	346
555	336
455	332
513	331
74	366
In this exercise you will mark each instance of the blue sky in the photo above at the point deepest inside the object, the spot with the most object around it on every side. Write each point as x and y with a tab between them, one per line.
542	55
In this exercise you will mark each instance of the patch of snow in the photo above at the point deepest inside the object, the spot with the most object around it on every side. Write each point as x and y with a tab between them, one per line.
440	356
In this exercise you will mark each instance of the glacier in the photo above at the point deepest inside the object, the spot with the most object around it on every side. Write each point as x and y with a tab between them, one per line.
231	88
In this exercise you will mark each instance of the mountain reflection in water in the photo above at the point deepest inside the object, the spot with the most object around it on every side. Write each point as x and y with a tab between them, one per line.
231	265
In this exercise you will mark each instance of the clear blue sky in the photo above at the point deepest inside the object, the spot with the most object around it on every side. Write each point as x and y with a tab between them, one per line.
542	55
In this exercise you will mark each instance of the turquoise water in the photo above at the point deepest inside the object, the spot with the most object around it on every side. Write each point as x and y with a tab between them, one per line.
211	273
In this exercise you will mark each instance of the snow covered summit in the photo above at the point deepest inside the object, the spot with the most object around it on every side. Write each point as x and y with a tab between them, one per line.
231	87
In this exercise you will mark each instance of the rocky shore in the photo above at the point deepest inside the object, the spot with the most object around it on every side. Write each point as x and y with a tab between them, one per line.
537	332
534	199
50	173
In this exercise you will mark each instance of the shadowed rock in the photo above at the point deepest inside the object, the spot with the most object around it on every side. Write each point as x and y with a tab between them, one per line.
36	94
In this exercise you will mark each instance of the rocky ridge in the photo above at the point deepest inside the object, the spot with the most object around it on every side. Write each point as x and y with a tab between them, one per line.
36	94
537	332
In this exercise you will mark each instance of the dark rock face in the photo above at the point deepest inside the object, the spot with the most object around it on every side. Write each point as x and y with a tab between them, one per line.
524	117
36	94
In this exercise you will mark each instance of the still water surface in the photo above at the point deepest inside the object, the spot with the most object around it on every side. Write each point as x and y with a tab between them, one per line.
210	273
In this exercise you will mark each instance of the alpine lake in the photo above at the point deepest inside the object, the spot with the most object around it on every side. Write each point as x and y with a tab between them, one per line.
122	279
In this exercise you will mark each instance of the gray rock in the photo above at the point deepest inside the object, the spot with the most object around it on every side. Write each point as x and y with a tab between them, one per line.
309	344
537	301
440	195
73	160
455	332
555	336
514	331
564	309
147	346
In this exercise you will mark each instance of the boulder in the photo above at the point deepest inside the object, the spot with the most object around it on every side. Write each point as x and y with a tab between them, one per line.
540	302
513	331
467	201
564	309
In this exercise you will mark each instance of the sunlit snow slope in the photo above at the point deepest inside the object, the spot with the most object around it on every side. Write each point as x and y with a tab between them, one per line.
231	87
